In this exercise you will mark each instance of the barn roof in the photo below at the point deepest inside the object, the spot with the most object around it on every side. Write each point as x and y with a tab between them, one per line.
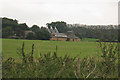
59	35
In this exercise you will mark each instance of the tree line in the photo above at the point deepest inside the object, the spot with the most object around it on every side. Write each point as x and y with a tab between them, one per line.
101	32
11	27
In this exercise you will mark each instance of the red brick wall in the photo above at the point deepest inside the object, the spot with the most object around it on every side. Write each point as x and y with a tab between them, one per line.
59	39
53	39
63	39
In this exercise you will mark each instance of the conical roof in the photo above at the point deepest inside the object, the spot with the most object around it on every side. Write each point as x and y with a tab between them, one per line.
56	31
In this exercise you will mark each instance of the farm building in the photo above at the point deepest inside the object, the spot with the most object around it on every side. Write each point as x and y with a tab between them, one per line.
71	36
68	36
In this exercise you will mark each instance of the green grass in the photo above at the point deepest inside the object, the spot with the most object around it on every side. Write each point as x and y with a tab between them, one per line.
73	49
52	66
89	39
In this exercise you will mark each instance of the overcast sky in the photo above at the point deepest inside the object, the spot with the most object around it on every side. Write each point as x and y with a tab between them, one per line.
40	12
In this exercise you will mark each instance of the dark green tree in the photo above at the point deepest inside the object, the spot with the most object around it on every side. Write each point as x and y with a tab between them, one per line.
7	32
23	26
60	25
9	22
42	35
31	36
35	28
19	32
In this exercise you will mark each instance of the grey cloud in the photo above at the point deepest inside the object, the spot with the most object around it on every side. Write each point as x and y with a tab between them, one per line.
72	11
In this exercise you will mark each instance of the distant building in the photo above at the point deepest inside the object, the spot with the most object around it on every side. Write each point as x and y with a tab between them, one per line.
55	35
68	36
71	36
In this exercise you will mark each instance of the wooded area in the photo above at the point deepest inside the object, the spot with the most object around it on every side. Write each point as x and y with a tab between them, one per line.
11	27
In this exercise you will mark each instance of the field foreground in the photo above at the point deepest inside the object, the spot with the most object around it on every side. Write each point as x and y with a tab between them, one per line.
73	49
88	64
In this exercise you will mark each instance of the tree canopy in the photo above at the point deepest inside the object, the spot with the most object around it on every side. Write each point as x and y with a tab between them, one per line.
11	27
60	25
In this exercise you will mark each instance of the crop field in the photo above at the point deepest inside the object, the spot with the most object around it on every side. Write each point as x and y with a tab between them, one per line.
85	48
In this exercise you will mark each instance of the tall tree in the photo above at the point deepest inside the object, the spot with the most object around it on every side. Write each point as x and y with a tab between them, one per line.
23	26
60	25
35	28
7	32
9	22
42	34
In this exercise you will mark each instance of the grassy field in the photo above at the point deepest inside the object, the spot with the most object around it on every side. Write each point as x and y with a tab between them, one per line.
81	49
89	40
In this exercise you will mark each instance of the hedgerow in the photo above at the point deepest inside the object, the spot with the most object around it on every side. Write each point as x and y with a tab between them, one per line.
50	65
